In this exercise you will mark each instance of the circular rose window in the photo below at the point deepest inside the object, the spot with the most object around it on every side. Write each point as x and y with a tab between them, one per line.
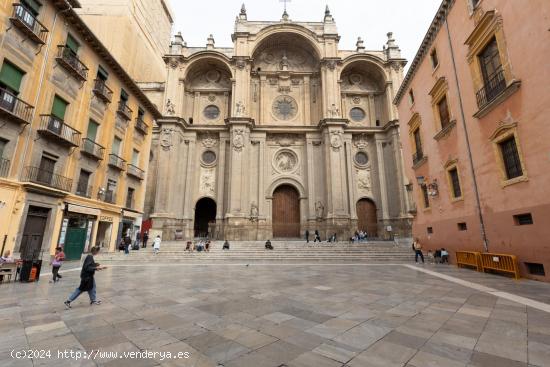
208	157
285	107
357	114
211	112
361	158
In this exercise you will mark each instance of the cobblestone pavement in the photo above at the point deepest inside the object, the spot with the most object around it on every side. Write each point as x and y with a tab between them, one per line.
356	315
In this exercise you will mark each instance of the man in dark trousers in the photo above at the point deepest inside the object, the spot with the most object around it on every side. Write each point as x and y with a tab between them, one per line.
87	281
145	239
307	235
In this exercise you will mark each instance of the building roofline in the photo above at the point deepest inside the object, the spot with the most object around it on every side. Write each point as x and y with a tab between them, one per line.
433	29
75	20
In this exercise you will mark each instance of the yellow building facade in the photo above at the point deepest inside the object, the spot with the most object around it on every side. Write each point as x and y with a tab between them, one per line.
75	135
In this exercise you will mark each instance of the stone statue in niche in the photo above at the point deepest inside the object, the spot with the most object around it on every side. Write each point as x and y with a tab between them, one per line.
253	212
170	108
333	111
284	62
319	210
239	109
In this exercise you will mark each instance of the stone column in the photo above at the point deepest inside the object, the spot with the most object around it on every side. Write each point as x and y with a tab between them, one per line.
351	187
310	172
382	177
220	209
307	103
192	170
372	110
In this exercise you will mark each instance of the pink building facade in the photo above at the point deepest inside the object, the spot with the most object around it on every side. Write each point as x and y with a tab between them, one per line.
474	112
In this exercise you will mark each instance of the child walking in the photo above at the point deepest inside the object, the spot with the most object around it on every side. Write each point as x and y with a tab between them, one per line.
56	263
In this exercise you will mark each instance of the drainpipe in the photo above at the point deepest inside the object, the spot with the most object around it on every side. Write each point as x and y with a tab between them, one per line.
470	157
39	90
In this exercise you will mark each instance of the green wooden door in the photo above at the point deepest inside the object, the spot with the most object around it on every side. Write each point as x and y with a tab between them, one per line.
75	239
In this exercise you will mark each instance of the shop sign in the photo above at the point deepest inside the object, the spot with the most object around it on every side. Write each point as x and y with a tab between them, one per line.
105	218
83	210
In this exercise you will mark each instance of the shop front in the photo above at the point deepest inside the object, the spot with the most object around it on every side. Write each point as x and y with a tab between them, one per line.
77	230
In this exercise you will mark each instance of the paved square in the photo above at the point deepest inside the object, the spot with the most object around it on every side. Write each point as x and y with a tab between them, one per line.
280	315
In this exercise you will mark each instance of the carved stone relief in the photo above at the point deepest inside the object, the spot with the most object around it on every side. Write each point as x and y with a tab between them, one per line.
336	140
238	139
166	137
364	181
286	161
207	182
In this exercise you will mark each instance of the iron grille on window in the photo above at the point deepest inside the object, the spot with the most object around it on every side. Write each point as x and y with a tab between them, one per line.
455	182
510	158
426	196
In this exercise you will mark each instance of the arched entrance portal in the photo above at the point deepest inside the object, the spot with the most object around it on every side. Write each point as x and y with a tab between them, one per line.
205	213
286	212
366	215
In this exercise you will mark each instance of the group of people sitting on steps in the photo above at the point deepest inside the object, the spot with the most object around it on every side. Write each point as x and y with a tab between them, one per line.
202	245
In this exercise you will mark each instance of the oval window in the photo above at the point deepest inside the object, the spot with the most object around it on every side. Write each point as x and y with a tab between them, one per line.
361	158
211	112
357	114
208	157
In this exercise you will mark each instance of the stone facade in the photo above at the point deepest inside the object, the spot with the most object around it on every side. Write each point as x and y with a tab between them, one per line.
282	108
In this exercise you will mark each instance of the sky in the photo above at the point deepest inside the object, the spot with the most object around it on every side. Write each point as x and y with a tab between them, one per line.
369	19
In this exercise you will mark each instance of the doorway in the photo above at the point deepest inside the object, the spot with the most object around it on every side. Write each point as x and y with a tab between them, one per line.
205	214
33	233
366	217
286	212
75	238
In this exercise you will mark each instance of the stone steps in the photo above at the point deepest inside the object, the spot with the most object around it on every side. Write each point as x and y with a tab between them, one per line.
254	252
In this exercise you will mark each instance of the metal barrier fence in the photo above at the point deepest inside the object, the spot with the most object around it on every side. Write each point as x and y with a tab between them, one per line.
501	263
469	259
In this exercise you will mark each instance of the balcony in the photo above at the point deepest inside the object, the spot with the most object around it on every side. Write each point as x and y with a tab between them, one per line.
124	111
84	190
4	167
116	162
109	197
135	172
57	130
141	126
70	61
27	23
47	178
102	91
492	89
15	108
418	158
91	149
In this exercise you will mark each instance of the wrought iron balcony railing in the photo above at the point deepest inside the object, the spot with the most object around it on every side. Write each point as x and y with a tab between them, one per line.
135	172
418	156
4	167
57	130
102	91
92	149
14	107
25	21
70	61
84	190
124	111
492	88
47	178
141	126
116	162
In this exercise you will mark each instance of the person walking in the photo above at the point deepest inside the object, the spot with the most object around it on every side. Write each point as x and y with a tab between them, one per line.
156	244
87	281
307	235
56	263
138	240
145	239
417	247
316	236
127	244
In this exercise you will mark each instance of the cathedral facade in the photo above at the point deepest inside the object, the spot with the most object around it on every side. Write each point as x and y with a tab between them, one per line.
279	134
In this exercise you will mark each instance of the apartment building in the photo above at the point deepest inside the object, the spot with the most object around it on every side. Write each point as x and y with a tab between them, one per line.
474	106
75	134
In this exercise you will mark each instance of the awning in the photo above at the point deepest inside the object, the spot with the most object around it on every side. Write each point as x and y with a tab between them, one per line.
129	214
83	210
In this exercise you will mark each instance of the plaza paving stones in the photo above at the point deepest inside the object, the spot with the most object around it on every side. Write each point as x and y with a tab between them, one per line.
345	315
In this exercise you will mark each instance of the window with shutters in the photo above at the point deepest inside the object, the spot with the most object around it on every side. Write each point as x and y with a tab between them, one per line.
508	153
92	130
59	107
11	77
510	158
441	108
72	44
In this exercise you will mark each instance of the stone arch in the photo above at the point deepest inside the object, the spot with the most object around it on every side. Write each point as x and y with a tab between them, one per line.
286	181
207	89
286	212
363	82
295	29
205	213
